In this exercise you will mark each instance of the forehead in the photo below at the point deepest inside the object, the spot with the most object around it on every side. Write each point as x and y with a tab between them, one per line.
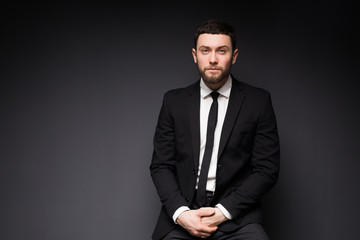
213	40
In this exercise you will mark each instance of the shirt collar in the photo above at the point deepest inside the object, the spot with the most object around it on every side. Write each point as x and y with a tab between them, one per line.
224	90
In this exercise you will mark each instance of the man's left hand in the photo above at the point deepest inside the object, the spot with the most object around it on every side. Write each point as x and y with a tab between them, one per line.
214	220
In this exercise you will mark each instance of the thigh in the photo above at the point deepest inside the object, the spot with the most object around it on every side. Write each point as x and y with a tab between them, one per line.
252	231
178	234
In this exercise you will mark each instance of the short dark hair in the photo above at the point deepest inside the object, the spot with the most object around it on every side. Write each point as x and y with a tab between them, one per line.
216	26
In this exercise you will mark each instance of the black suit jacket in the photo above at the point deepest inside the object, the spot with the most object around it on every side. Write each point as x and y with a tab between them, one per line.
248	158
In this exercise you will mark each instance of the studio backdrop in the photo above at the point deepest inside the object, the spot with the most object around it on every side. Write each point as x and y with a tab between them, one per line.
81	90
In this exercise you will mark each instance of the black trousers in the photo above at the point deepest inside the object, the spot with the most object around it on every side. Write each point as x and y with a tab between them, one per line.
252	231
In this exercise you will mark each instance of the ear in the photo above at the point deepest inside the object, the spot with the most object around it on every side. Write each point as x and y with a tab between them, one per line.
193	51
235	55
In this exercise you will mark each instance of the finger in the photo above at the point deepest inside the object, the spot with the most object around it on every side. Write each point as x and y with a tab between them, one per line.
206	234
206	220
207	229
203	234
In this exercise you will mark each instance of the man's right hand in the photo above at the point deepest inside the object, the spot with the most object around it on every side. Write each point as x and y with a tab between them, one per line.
191	221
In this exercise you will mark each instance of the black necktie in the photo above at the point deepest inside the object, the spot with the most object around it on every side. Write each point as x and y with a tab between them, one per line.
201	192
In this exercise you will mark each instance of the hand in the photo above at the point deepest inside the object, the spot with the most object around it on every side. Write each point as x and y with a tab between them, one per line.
191	221
215	219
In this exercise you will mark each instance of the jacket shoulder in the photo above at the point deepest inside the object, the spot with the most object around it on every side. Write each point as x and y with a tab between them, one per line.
248	89
178	92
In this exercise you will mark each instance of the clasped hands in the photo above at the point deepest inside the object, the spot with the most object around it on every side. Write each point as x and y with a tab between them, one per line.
202	222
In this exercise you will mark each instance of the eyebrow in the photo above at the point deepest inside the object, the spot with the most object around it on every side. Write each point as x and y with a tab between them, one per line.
222	46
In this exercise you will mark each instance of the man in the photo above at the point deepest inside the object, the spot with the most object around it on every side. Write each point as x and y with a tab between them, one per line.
221	130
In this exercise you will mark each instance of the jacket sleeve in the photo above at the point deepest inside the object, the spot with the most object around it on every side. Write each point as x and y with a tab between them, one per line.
163	164
265	162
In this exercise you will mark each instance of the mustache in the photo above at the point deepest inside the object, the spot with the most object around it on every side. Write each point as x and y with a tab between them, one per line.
213	68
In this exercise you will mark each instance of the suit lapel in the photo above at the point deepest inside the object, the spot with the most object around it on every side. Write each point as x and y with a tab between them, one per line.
235	102
193	111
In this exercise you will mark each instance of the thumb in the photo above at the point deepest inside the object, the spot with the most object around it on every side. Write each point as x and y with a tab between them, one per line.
205	212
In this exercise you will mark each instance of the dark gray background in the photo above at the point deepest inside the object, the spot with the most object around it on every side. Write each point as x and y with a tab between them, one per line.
81	89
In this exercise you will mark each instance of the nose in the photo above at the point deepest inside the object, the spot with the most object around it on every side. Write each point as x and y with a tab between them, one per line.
213	58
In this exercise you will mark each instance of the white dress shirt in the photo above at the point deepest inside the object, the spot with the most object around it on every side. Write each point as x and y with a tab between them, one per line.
205	104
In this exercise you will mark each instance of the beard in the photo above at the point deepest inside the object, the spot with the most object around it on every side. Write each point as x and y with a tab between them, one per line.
211	80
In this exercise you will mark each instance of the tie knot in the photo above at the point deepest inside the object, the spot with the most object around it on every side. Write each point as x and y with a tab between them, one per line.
214	95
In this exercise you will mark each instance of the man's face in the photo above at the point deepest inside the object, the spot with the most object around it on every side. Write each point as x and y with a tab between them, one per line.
214	56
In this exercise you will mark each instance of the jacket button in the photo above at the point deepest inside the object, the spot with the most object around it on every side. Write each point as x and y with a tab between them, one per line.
187	199
218	165
193	171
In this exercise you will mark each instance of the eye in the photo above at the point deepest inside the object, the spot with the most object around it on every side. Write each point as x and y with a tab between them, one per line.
204	51
222	51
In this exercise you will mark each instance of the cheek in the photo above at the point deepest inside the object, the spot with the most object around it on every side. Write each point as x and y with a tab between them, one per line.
226	62
201	62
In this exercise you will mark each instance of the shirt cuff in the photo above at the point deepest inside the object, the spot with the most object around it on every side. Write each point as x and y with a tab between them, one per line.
224	211
179	211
